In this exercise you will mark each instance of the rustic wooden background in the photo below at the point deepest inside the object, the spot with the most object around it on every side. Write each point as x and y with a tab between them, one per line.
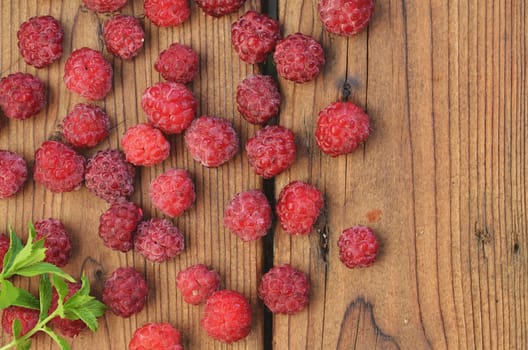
442	179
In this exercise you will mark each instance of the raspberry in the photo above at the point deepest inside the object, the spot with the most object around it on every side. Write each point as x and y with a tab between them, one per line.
156	336
254	36
358	246
258	98
167	13
219	8
109	176
284	290
158	240
123	36
345	17
85	126
104	5
88	74
197	283
28	319
143	144
212	141
13	173
22	95
271	150
66	327
169	106
40	41
227	316
178	63
56	241
118	224
248	215
172	192
125	292
299	58
341	128
298	207
4	247
58	167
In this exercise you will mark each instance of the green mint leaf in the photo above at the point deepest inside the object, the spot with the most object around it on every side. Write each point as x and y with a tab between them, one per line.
15	246
11	295
30	254
24	345
42	268
83	306
44	296
63	344
87	317
16	328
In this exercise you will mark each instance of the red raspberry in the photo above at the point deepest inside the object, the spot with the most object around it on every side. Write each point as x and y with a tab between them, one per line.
258	98
298	207
85	126
156	336
271	150
88	74
219	8
40	40
248	215
254	36
167	13
56	240
28	319
169	106
212	141
284	290
13	173
197	283
341	128
345	17
4	247
172	192
358	246
123	36
227	316
22	95
143	144
178	63
109	176
158	240
125	292
299	58
58	167
66	327
118	224
104	5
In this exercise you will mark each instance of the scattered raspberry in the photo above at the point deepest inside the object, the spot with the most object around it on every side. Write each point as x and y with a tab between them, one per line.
158	240
118	224
125	292
123	36
212	141
13	173
104	5
227	316
109	176
172	192
258	98
197	283
156	336
341	127
4	247
169	106
358	246
271	150
178	63
28	319
254	36
219	8
167	13
88	74
40	41
143	144
56	241
284	290
299	58
66	327
345	17
85	126
248	215
22	95
58	167
298	207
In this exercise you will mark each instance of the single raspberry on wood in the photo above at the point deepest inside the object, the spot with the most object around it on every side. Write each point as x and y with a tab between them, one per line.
177	63
358	246
167	13
117	225
40	40
248	215
4	247
345	17
298	207
22	95
125	292
13	173
156	336
258	98
158	240
104	5
28	319
85	126
197	283
219	8
172	192
66	327
56	241
124	36
145	145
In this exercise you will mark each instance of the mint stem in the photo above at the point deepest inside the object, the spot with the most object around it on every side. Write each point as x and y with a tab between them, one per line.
38	327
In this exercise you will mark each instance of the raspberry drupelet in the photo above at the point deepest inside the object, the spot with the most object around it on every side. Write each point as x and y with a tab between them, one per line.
40	40
258	98
167	13
28	319
345	17
56	241
86	125
117	225
22	95
125	292
13	173
358	246
177	63
219	8
172	192
145	145
197	283
123	36
104	5
156	336
158	240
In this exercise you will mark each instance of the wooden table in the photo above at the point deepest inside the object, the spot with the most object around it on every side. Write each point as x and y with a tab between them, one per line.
442	179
